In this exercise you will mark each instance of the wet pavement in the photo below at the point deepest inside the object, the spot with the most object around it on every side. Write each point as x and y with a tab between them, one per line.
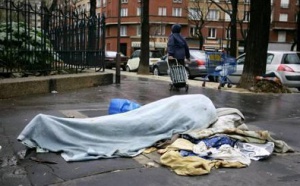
278	113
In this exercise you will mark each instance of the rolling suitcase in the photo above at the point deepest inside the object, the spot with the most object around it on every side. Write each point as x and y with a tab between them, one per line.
178	77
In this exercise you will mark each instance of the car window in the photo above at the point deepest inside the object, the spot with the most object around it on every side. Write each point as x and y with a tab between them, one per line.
270	58
111	54
291	59
136	54
197	54
155	54
164	57
241	60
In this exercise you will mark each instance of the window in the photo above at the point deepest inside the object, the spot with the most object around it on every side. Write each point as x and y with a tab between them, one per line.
161	31
194	14
98	3
124	1
247	1
88	6
138	11
284	3
123	31
138	30
176	12
270	58
241	60
212	33
158	30
177	1
213	15
124	12
227	36
247	16
291	59
281	36
193	31
227	17
245	32
162	11
283	17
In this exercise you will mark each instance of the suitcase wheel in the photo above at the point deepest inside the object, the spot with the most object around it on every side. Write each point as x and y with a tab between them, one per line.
171	87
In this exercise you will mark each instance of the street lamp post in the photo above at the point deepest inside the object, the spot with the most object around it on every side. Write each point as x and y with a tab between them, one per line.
118	73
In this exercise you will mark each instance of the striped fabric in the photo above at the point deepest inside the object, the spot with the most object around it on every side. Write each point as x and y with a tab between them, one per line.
178	74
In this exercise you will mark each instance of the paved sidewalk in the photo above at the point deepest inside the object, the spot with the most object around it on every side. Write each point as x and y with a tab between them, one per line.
276	113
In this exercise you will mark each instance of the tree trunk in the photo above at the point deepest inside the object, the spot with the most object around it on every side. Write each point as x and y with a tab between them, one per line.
92	26
298	27
257	42
201	41
47	14
233	44
144	58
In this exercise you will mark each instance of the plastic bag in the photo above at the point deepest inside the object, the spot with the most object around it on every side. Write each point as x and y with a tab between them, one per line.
256	151
118	105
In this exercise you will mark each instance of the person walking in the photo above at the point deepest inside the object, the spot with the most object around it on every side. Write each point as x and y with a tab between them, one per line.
177	46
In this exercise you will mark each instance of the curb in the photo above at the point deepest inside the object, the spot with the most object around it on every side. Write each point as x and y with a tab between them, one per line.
39	85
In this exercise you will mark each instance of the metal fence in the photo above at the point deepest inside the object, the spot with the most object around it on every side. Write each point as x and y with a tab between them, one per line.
34	39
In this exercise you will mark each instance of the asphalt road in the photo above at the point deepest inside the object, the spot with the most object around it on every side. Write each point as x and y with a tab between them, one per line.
278	113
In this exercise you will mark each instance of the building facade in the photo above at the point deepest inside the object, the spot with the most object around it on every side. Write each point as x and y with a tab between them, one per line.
162	15
216	30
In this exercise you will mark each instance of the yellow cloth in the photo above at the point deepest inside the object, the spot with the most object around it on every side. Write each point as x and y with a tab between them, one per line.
191	165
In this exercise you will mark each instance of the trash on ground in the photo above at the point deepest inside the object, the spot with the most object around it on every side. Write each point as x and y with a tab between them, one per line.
119	105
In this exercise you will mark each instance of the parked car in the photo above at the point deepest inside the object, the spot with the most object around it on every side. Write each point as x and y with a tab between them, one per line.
134	60
285	64
111	60
195	67
160	67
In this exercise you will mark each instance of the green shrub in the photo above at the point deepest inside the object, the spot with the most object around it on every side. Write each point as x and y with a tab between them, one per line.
25	48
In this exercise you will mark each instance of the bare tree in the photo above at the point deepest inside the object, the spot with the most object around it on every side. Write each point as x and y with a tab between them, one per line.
144	58
92	26
231	9
197	15
240	22
257	42
47	14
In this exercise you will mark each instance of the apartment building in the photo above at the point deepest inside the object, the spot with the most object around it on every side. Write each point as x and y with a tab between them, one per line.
216	32
162	15
283	24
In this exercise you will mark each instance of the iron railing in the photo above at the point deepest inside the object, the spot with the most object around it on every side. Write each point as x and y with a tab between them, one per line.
35	39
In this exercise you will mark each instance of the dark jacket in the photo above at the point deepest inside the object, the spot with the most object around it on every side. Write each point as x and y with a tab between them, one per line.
177	45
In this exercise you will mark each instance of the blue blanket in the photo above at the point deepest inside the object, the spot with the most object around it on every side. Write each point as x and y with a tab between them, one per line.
120	135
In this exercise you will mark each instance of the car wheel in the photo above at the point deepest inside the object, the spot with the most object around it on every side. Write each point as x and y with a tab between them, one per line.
156	71
124	68
188	74
128	69
298	88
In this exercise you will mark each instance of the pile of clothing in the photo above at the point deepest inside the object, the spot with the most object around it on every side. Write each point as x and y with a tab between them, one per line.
226	143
